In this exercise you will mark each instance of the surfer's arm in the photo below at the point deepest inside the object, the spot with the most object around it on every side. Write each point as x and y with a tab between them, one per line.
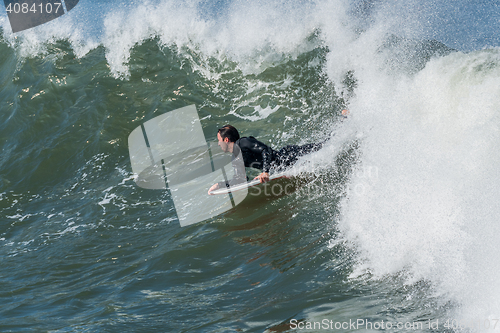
238	178
266	160
266	165
232	182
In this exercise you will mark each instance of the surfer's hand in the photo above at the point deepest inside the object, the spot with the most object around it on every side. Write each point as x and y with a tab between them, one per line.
213	188
263	177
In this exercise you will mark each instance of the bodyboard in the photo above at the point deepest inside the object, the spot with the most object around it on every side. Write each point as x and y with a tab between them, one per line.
246	185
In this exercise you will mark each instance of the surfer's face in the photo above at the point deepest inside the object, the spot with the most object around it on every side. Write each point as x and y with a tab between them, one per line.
223	144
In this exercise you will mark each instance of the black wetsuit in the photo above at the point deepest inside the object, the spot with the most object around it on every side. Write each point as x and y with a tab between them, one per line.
260	156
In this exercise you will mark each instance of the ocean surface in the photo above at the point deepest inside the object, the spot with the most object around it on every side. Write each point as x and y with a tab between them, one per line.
392	226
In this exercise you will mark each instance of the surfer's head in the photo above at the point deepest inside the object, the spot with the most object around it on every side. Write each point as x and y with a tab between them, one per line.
228	131
227	136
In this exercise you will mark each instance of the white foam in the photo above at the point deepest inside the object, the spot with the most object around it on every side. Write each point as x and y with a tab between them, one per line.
254	34
432	208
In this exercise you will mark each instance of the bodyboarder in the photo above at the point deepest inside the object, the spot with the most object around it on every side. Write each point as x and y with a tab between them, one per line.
258	155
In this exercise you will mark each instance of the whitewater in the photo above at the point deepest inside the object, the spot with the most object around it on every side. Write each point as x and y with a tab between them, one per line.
396	218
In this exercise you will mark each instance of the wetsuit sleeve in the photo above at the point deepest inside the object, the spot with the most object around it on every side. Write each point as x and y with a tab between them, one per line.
239	173
259	155
265	152
266	160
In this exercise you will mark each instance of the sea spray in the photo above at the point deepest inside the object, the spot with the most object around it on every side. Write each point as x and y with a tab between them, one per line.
431	210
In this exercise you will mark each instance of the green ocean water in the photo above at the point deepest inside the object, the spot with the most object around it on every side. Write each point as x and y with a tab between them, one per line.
84	247
394	222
